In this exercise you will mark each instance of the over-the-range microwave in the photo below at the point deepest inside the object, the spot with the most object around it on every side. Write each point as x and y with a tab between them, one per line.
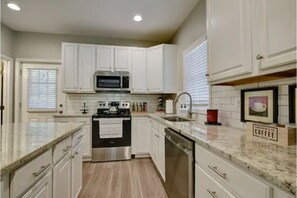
112	81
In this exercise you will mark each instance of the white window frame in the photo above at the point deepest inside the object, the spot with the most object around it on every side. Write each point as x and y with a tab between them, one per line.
46	67
187	51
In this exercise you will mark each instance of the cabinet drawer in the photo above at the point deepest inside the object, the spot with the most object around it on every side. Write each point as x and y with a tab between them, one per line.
30	173
61	149
77	138
208	187
237	180
83	120
64	120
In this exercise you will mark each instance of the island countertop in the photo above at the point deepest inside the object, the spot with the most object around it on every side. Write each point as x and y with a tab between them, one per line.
22	142
274	164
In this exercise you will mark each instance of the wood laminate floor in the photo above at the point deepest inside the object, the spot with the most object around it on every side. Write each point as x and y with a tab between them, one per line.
123	179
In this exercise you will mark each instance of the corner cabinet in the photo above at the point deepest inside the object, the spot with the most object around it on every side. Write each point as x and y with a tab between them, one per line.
250	38
78	61
138	70
161	69
113	58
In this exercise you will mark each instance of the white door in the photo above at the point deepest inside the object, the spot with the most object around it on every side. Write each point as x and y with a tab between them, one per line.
155	69
138	70
86	141
161	155
274	24
122	59
104	58
76	171
70	67
62	178
155	147
229	35
142	136
41	92
42	189
86	68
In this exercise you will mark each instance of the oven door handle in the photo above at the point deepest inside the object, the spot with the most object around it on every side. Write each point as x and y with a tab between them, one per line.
97	119
126	119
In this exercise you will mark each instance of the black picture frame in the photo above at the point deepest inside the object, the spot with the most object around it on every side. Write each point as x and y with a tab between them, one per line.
292	103
274	110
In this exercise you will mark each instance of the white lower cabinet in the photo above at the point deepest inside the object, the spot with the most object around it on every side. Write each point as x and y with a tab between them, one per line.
140	136
4	186
157	145
42	189
76	171
62	178
208	187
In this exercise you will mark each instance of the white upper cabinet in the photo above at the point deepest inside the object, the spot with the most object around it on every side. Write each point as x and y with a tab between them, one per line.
138	70
274	33
78	62
250	38
122	59
161	69
229	38
86	67
69	58
113	58
105	58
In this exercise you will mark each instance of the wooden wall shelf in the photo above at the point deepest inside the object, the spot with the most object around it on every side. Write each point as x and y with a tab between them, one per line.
263	78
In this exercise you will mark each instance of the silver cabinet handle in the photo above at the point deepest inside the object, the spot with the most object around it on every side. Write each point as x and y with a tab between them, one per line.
42	168
66	148
73	156
212	193
80	137
215	169
206	74
259	57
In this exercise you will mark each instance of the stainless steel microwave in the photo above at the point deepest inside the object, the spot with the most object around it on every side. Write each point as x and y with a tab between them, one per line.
112	81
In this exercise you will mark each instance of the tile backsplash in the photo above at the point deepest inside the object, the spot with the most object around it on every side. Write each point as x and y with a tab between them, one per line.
74	101
227	100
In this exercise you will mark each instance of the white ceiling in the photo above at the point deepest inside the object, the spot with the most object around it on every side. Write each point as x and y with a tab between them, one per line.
106	18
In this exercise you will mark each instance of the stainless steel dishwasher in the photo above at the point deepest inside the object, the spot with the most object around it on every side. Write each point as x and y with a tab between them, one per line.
179	163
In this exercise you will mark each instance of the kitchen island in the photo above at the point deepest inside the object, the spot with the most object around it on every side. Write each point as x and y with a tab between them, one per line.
34	147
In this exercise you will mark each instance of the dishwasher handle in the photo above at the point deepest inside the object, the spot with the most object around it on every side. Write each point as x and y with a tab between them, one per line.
180	146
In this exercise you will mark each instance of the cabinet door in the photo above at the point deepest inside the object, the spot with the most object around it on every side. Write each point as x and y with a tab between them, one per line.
70	67
62	178
122	59
86	68
142	136
4	186
86	141
155	148
208	187
155	69
105	58
161	155
274	23
76	171
138	70
42	189
229	38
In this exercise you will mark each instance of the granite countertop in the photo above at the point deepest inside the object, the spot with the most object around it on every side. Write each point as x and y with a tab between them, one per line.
275	164
22	142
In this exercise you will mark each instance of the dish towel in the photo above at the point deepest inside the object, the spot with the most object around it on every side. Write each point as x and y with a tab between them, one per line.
110	128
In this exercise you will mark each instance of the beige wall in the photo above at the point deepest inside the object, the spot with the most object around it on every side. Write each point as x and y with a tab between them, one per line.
192	29
48	46
7	40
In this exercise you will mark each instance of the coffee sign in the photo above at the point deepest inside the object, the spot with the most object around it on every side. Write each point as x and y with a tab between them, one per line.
266	132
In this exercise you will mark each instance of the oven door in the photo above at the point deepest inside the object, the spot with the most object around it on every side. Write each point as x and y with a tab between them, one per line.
111	132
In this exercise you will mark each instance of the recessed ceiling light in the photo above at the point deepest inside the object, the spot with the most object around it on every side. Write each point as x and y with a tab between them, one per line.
13	6
137	18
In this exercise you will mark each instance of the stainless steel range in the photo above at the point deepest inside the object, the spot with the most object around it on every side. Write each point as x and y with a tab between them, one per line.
111	131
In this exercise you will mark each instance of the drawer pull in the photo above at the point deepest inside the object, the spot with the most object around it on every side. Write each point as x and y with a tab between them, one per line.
73	156
80	137
42	168
67	148
215	169
212	193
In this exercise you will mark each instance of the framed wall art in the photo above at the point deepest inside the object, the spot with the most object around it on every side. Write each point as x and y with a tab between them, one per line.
259	105
292	103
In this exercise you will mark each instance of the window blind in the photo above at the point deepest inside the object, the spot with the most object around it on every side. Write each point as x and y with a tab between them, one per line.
42	89
195	79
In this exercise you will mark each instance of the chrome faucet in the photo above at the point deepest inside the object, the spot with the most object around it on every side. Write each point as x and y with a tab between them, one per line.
190	112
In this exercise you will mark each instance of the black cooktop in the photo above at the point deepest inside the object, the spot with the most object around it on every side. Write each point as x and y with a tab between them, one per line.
107	114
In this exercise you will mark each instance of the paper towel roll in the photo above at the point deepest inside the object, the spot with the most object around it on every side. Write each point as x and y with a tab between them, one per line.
169	107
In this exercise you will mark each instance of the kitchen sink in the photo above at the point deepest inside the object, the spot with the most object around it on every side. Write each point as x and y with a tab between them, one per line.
176	119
